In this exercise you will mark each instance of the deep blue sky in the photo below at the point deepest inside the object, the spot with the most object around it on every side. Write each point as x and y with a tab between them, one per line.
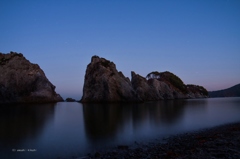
198	40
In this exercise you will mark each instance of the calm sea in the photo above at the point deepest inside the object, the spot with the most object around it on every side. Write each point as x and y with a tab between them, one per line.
69	130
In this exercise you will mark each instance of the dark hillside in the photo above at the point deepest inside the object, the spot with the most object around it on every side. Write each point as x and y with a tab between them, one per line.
229	92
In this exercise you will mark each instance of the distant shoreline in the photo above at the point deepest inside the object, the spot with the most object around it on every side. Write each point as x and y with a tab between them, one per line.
217	142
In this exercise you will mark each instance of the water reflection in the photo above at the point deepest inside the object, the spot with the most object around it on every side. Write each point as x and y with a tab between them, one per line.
101	121
167	112
21	122
104	121
196	105
72	129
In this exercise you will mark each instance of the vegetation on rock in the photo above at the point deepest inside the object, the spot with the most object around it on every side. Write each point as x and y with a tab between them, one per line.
174	80
153	75
196	88
168	77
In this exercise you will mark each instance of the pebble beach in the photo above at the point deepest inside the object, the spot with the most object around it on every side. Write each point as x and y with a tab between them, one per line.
221	142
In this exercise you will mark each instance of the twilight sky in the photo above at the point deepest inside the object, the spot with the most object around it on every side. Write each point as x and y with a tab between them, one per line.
197	40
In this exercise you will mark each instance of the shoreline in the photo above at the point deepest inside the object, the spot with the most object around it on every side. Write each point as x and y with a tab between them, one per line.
217	142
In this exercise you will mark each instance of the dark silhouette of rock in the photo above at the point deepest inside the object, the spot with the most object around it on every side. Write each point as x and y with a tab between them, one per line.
24	82
195	91
70	100
103	83
233	91
164	85
146	90
179	89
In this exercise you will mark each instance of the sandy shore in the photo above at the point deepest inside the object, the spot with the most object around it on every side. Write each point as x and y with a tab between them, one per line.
214	143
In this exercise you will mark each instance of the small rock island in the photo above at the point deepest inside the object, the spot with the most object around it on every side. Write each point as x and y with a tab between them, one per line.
104	83
24	82
70	99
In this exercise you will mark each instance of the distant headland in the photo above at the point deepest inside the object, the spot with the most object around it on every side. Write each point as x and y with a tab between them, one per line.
233	91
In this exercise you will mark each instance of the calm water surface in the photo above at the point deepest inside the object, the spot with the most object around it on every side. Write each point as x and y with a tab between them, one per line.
68	130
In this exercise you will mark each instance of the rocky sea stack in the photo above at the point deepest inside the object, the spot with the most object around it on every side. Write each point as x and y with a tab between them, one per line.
103	83
24	82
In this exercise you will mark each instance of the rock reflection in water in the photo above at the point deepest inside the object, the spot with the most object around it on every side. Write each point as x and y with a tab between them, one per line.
166	112
23	122
66	129
104	121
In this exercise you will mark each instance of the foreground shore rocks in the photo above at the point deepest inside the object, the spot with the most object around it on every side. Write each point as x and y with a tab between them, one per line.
24	82
104	83
216	143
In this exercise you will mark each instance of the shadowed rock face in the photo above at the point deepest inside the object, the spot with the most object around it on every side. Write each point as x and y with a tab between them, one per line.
163	87
154	89
103	83
145	90
195	91
24	82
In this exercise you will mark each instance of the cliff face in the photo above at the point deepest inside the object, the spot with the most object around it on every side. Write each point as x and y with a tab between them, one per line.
145	90
24	82
103	83
195	91
165	85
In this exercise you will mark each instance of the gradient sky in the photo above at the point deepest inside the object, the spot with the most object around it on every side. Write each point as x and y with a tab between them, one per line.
198	40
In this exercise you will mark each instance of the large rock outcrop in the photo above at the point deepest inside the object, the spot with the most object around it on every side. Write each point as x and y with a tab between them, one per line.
103	83
24	82
146	90
165	85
